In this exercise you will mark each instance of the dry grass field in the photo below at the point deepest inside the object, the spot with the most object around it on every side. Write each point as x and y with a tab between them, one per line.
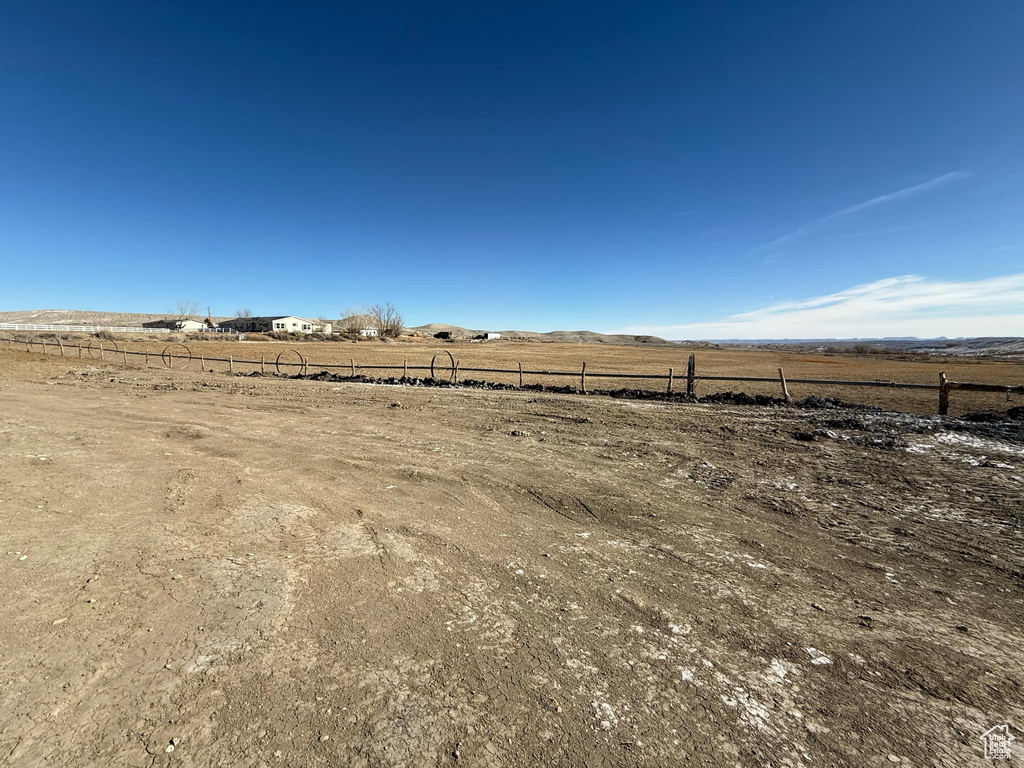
203	570
654	359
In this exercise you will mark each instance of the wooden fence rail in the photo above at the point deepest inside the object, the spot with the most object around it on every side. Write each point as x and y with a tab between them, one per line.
944	387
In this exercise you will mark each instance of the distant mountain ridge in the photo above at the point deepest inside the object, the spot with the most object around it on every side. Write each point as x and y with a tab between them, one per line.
87	317
978	346
585	337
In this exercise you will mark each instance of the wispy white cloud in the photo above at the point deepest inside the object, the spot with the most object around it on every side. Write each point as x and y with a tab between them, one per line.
899	194
909	305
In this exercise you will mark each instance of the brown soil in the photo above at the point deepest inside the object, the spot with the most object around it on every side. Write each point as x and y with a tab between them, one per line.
295	573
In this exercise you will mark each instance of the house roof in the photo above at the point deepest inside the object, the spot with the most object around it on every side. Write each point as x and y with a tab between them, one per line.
270	317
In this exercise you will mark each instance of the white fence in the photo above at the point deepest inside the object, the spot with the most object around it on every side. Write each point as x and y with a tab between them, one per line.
74	328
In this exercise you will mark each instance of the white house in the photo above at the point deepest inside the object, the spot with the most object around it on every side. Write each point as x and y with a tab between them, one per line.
368	332
276	324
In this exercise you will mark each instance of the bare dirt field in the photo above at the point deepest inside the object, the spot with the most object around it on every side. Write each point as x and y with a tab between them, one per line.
203	570
608	358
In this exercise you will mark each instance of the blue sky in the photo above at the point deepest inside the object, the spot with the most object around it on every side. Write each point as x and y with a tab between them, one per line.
691	169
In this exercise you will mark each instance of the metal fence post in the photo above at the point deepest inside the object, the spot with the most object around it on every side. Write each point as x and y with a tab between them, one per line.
691	371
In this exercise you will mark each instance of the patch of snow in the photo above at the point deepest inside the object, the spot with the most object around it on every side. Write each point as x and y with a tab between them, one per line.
817	657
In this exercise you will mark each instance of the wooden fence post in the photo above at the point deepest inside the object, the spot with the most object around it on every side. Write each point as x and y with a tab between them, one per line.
405	368
456	379
124	354
669	381
520	374
79	351
691	371
583	377
231	363
263	363
202	361
147	358
943	394
785	389
44	346
352	361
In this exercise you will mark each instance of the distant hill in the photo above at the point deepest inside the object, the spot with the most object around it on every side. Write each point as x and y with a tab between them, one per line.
586	337
85	317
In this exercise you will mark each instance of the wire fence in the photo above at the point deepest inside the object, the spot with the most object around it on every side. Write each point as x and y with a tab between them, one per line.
79	328
444	367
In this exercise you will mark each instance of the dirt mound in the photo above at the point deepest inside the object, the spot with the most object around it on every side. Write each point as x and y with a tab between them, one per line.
741	398
1010	414
831	403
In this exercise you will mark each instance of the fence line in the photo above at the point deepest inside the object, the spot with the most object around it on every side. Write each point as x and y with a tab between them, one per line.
78	328
450	371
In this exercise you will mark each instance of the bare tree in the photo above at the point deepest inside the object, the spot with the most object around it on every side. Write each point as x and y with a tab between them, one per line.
185	308
353	320
243	313
386	319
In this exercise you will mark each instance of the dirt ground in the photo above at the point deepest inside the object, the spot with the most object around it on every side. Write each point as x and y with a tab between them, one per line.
722	361
202	570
